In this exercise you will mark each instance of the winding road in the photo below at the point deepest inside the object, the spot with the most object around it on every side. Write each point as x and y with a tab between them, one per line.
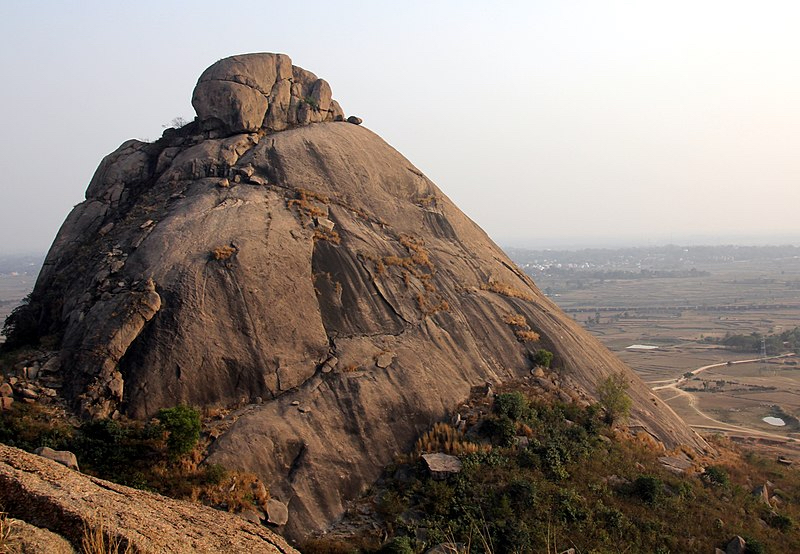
719	425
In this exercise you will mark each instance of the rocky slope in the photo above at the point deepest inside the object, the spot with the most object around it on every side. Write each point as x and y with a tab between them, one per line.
47	496
270	255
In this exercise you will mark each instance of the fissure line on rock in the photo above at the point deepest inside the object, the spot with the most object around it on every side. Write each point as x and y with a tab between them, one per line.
295	465
515	270
248	85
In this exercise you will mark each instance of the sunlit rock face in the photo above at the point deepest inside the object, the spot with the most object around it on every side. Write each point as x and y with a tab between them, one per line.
262	91
269	256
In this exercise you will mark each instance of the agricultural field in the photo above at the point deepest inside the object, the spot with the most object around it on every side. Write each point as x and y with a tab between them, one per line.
664	314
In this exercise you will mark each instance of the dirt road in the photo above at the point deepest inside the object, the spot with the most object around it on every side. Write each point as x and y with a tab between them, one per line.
719	425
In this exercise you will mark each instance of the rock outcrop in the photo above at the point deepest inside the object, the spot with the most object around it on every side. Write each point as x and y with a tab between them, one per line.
49	496
254	91
253	255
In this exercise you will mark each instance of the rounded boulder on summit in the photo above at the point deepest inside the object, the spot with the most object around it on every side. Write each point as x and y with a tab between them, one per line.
271	256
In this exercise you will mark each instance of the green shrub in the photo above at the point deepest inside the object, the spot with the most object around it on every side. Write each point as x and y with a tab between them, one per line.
754	546
398	545
182	423
439	497
502	430
543	357
214	474
648	488
572	506
716	476
29	426
390	505
781	522
521	492
513	405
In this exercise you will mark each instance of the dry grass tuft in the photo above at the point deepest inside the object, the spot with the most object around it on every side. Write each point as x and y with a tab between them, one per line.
223	252
237	491
430	201
307	203
444	438
526	336
515	319
430	307
98	540
506	290
328	236
417	271
522	330
416	247
5	532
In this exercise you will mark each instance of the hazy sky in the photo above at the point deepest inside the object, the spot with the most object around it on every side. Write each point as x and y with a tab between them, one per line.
549	123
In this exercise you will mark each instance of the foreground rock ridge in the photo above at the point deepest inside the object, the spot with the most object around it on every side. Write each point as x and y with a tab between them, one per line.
271	257
47	495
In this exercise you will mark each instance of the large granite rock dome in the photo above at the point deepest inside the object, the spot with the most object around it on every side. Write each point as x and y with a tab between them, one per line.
303	270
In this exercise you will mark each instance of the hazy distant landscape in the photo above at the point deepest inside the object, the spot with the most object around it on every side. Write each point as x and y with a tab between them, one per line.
17	276
683	301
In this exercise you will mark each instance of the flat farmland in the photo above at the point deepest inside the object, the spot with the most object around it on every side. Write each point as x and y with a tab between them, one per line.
675	323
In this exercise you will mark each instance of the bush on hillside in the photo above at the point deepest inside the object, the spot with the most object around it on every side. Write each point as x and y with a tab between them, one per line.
613	397
182	424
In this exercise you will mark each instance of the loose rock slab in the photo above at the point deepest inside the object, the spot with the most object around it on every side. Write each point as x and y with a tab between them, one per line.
63	457
442	465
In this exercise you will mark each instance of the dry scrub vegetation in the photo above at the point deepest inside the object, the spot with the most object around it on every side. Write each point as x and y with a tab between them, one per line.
505	289
98	540
308	203
5	532
444	438
416	271
222	253
329	236
521	329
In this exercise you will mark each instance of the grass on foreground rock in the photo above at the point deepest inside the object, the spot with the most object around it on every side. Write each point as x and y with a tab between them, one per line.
546	476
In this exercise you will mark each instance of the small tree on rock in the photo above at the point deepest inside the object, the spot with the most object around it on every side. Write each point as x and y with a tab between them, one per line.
613	397
182	424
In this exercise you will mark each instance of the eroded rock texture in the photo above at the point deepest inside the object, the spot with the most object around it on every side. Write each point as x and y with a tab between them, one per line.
253	91
315	269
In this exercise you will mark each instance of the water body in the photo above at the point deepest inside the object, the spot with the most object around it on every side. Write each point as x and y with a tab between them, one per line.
776	421
641	347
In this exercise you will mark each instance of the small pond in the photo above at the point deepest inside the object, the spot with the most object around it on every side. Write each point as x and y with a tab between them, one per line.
641	347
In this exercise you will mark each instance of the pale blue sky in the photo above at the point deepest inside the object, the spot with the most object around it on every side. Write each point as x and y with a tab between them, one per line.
548	123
